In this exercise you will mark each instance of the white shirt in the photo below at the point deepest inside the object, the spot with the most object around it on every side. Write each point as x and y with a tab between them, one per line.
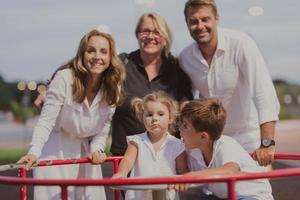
151	164
66	130
226	150
60	114
239	78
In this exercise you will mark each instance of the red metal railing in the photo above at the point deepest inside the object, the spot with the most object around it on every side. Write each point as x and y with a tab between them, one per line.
64	194
230	180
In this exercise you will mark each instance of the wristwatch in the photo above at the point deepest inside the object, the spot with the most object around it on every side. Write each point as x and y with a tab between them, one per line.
265	143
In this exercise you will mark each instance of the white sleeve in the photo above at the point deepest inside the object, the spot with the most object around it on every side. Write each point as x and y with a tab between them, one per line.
228	154
54	100
255	73
230	150
99	141
178	147
134	138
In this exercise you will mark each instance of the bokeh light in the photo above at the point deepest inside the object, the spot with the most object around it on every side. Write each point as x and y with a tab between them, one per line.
255	11
21	86
32	85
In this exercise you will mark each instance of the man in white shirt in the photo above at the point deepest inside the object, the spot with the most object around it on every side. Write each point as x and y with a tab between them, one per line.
228	65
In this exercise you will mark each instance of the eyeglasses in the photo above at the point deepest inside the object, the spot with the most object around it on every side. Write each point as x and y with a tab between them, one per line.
146	33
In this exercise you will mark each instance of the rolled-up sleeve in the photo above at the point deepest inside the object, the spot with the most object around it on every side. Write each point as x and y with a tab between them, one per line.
261	87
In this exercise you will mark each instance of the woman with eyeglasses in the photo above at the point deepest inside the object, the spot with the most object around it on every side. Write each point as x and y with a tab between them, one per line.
150	68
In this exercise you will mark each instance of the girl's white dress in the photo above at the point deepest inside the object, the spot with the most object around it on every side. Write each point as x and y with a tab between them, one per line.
65	130
151	164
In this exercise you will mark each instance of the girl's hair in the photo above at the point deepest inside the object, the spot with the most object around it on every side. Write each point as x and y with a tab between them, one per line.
162	26
112	78
138	105
207	115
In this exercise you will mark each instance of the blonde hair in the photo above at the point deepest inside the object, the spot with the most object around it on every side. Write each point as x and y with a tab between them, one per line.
138	105
206	115
112	78
194	4
162	26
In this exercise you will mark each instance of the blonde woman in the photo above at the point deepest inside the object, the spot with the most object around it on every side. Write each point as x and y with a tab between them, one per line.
76	115
152	67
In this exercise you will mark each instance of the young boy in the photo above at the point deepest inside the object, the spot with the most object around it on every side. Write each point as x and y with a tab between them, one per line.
212	153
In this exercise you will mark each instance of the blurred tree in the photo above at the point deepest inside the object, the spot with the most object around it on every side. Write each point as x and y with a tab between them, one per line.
22	113
6	95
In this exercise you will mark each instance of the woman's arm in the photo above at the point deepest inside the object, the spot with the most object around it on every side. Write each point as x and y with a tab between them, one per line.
54	100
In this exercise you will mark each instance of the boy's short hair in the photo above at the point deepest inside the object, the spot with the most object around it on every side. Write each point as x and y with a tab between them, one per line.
207	115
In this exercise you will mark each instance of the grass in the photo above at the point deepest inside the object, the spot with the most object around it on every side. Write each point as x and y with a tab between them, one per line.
11	155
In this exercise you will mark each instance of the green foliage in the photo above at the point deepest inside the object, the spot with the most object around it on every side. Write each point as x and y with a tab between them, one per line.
11	155
6	95
22	113
292	110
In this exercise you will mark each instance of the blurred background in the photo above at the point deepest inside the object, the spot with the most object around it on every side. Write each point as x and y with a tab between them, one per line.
37	37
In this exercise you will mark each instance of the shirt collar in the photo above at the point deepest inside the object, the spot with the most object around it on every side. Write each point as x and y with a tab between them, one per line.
197	155
147	141
137	59
221	45
221	40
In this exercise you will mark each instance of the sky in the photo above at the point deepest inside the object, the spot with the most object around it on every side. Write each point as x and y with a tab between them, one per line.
37	36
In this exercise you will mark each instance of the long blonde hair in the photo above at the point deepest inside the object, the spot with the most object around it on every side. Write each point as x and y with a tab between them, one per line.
112	78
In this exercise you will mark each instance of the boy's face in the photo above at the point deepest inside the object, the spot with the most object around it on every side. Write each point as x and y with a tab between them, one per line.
189	135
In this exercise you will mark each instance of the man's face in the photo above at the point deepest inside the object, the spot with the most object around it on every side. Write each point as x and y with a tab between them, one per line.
202	24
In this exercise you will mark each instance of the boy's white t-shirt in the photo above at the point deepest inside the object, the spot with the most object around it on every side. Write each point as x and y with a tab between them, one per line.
225	150
151	164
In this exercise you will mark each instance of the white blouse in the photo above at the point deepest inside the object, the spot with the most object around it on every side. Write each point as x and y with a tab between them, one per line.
79	121
151	164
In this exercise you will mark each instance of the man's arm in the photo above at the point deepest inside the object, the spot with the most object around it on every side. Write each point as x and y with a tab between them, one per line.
265	155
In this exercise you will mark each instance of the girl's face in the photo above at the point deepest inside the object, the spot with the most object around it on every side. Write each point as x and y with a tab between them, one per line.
156	118
97	55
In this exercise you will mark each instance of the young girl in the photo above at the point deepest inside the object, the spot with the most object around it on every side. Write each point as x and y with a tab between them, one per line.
76	116
154	152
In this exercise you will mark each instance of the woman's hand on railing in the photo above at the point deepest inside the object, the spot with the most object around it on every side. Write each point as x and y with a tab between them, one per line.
28	160
97	157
